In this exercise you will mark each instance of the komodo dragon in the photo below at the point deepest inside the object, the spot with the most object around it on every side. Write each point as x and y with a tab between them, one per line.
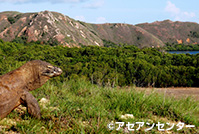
15	86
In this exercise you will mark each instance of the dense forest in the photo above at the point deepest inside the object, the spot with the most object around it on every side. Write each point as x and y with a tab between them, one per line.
181	47
107	66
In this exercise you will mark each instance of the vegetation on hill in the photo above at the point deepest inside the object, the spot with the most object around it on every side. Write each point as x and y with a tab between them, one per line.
181	47
107	66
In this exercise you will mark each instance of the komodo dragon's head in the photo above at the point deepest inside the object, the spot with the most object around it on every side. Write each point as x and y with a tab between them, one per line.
40	72
46	69
51	71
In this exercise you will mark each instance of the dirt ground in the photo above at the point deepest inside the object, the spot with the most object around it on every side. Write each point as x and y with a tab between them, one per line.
178	92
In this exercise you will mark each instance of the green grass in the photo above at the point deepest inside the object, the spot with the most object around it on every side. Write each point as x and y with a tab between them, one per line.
80	107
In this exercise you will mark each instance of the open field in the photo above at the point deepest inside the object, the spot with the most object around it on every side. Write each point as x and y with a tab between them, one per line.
177	92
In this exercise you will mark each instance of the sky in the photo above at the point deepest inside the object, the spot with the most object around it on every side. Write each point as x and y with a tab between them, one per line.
111	11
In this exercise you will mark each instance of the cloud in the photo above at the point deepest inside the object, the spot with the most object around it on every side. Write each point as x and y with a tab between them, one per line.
13	1
36	1
96	4
171	8
101	20
177	13
81	18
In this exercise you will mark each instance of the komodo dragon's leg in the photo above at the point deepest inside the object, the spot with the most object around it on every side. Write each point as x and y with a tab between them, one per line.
31	103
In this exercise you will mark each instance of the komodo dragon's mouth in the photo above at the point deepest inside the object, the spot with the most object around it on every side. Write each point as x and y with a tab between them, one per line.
52	71
57	71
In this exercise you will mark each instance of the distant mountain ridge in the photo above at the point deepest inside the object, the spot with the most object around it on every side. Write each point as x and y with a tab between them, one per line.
52	26
173	32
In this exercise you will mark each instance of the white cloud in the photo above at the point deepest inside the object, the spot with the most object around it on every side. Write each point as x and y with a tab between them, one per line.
171	8
95	4
101	20
191	14
14	1
34	1
177	13
81	18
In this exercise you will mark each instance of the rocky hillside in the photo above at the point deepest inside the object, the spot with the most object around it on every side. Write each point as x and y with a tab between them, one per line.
173	32
47	26
53	26
128	34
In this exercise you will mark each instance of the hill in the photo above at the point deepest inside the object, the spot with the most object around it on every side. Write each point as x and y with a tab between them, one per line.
45	26
128	34
173	32
52	27
55	28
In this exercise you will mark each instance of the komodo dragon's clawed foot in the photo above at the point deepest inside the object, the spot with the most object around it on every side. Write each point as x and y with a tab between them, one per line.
32	105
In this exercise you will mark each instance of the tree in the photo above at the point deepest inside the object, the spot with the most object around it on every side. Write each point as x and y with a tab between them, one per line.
11	20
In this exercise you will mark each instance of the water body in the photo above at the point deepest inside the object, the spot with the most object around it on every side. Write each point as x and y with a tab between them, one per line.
183	52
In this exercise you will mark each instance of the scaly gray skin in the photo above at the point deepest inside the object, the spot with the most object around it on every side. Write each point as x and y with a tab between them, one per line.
14	86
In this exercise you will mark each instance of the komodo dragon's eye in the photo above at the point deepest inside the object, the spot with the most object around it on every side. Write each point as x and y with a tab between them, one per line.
50	67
